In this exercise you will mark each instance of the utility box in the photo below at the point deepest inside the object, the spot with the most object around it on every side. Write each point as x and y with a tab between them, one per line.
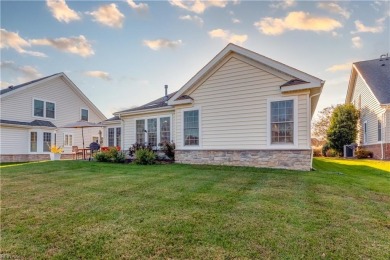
349	150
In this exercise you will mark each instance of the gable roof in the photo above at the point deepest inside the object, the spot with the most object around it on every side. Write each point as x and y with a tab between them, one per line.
16	89
158	103
376	73
302	79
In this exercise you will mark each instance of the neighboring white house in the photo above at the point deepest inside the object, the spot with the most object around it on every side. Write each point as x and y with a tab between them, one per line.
31	114
242	108
369	91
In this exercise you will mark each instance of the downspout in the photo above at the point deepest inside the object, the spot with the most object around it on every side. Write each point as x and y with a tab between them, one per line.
122	133
382	135
312	152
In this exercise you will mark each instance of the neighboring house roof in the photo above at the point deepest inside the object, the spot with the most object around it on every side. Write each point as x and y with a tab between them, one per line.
12	88
33	123
16	89
115	118
376	73
158	103
301	81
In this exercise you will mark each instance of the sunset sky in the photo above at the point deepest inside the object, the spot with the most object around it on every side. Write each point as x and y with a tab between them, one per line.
122	53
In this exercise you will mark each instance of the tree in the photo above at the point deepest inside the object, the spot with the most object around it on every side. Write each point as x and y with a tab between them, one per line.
343	127
321	124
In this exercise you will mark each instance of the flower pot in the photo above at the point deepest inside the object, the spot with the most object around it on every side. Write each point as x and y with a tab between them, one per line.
55	156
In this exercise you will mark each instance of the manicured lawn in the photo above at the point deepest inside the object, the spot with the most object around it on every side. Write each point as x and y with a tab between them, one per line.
70	209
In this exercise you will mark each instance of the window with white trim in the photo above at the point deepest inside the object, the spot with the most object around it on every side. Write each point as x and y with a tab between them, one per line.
152	131
114	136
68	139
379	130
44	108
140	131
191	127
118	135
33	142
365	132
165	129
282	122
46	141
84	114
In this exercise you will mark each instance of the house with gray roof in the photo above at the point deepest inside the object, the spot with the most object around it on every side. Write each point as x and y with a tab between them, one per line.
32	114
369	91
241	108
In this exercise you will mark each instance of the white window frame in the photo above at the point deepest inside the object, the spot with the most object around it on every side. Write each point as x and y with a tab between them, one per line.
381	130
158	127
68	145
81	113
44	108
29	141
108	136
365	135
200	128
295	116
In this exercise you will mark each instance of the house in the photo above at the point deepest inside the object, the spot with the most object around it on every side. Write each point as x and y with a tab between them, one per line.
369	91
32	112
242	108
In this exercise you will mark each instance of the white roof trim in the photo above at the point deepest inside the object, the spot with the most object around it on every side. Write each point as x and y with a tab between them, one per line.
314	81
143	111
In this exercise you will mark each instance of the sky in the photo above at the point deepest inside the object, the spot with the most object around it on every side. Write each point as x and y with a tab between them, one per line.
122	53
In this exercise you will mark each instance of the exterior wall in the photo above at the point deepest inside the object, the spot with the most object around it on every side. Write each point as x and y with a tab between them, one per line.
370	111
68	104
13	140
295	160
378	149
233	105
128	131
30	157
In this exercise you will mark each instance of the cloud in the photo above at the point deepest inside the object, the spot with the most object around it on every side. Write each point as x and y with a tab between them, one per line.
76	45
4	84
196	19
162	43
226	35
357	42
98	74
340	67
140	8
26	73
14	41
361	28
282	4
296	21
334	8
235	20
61	11
198	6
108	15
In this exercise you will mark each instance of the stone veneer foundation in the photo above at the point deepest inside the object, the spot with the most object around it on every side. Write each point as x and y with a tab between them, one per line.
283	159
29	157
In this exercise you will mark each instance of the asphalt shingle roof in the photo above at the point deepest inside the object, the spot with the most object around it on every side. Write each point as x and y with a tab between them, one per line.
376	73
160	102
33	123
12	88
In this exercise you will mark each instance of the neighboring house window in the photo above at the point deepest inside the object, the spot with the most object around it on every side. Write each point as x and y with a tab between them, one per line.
111	134
68	140
46	141
140	131
365	132
84	114
282	122
44	109
152	131
33	141
191	127
379	130
165	129
118	136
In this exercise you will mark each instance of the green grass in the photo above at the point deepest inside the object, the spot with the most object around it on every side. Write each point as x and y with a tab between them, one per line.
74	209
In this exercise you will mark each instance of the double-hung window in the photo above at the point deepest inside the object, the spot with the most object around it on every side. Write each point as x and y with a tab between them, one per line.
114	136
33	142
46	141
44	108
165	129
84	114
68	139
111	134
191	127
152	131
140	131
379	130
282	122
365	132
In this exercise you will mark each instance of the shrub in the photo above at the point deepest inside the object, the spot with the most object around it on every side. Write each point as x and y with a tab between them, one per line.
137	146
325	148
331	153
363	153
112	155
317	152
145	157
168	148
102	157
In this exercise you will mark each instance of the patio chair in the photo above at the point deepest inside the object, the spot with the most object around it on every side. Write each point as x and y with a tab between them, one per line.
76	151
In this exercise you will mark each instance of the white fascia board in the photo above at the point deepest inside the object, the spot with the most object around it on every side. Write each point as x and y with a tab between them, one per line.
180	102
144	111
302	86
254	56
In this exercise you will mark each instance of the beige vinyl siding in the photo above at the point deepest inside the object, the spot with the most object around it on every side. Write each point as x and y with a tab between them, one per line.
68	104
370	110
387	127
233	104
129	125
14	140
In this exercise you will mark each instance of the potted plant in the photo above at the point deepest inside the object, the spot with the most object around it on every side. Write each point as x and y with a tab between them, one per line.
55	152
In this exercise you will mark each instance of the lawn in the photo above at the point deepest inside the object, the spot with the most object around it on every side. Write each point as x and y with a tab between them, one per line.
84	210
